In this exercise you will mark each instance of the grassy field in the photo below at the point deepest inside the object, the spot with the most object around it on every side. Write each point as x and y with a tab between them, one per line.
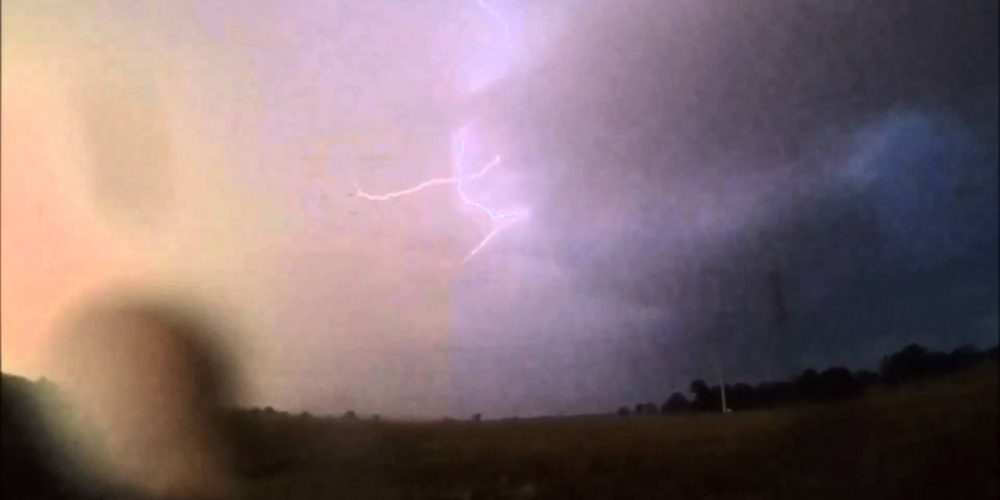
938	439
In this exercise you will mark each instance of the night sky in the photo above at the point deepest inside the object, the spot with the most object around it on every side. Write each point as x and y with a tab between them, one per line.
751	187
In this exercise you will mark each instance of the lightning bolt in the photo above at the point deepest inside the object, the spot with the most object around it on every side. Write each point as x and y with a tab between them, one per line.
440	181
500	220
396	194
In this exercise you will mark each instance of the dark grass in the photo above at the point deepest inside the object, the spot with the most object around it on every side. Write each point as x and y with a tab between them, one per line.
936	439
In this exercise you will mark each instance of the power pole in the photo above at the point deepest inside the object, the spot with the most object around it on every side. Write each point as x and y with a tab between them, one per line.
722	384
721	307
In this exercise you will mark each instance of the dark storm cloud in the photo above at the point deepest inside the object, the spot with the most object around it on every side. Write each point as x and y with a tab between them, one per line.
760	77
692	148
658	90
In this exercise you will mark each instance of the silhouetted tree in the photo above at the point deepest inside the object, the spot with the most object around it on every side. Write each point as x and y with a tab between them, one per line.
910	363
714	401
836	383
699	387
767	394
963	357
676	403
706	397
645	408
771	394
702	395
938	363
866	378
350	415
741	397
477	417
623	411
807	385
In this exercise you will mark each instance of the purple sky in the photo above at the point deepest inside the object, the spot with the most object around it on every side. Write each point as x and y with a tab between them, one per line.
672	155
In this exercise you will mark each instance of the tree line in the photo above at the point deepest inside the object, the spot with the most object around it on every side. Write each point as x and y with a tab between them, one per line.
913	362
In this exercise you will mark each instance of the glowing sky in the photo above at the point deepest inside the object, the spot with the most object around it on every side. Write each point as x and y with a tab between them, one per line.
192	147
671	155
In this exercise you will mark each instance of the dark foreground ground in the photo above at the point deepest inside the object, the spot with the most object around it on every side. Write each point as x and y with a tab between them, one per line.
939	439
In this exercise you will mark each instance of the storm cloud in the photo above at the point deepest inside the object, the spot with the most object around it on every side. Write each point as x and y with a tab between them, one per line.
691	149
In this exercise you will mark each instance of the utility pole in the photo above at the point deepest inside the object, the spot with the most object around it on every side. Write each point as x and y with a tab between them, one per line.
722	384
719	305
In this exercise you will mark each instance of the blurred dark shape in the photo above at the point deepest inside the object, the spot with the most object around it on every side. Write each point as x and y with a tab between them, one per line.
350	415
376	417
477	417
143	389
34	465
623	411
30	468
676	403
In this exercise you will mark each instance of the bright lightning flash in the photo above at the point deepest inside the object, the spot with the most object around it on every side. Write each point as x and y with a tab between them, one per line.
500	219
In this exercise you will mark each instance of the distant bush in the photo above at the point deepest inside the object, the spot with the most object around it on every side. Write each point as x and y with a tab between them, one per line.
645	409
916	362
702	395
913	362
676	403
867	378
910	363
